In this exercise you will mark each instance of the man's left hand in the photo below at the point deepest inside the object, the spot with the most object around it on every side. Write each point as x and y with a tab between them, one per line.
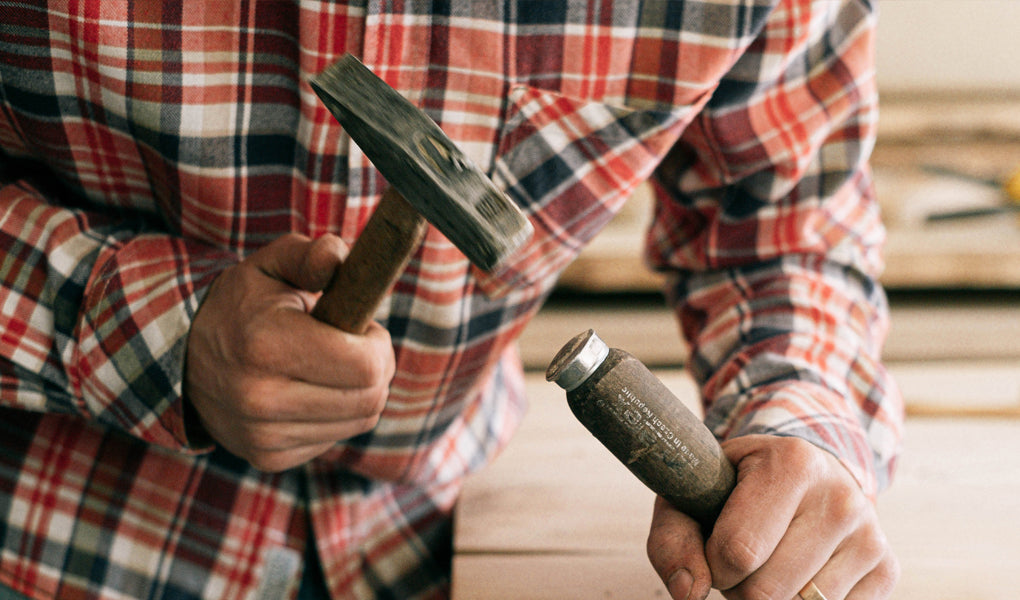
796	515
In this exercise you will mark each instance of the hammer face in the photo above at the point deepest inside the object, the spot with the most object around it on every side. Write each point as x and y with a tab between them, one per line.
423	164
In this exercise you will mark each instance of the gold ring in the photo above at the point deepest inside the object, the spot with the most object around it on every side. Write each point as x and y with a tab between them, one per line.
811	592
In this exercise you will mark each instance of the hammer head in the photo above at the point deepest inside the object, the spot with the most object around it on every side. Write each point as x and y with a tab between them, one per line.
423	164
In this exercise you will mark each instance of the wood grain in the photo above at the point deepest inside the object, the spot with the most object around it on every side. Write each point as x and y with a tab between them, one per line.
556	516
375	262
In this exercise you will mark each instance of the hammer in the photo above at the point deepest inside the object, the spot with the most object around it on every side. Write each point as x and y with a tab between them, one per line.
431	181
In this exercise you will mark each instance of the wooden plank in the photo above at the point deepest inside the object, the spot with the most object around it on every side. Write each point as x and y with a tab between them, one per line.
556	507
934	328
643	326
961	255
557	577
979	253
921	51
556	516
527	504
947	119
960	388
924	328
953	513
970	253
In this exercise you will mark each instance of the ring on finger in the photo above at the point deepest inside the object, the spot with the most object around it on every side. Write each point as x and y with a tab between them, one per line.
811	592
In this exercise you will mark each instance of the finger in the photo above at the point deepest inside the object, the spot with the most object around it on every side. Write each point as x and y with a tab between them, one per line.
801	554
757	513
321	260
860	554
273	462
833	537
294	344
879	583
282	400
301	262
676	551
267	438
264	435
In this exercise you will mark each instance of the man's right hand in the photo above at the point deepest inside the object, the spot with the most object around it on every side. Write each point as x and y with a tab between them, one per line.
269	382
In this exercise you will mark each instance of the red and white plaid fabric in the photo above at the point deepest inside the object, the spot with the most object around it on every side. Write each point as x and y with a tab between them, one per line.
148	145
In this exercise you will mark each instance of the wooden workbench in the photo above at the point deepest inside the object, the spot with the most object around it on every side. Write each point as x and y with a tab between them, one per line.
556	517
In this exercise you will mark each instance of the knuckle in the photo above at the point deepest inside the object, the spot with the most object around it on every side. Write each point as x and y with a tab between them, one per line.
657	545
257	399
874	547
328	247
269	463
286	240
887	573
672	537
663	561
740	554
321	258
370	405
847	507
661	546
245	277
355	427
801	456
374	370
367	424
843	506
263	439
379	405
254	344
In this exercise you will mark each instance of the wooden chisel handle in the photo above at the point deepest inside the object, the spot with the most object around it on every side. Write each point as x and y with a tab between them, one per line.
385	246
627	408
635	416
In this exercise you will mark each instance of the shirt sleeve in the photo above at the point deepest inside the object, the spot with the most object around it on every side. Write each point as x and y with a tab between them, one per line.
96	310
768	221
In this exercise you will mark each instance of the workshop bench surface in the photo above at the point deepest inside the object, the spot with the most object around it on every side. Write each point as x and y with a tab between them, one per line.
556	516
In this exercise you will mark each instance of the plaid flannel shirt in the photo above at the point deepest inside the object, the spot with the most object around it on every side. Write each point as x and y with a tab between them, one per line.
146	146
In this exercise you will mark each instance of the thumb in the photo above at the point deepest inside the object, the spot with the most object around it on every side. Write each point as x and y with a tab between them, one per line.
676	550
303	263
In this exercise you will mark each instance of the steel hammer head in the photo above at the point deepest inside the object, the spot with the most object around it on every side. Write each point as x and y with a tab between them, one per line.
423	164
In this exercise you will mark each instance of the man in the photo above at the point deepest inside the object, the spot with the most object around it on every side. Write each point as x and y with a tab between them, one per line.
176	425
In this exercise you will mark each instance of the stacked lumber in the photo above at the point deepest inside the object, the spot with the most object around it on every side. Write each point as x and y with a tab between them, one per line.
932	157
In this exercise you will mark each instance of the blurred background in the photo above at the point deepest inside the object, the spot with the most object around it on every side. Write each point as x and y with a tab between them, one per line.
557	508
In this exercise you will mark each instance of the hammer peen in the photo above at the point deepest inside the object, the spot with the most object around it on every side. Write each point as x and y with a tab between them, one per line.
431	181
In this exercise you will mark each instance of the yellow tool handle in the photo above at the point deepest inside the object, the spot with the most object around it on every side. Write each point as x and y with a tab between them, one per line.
1012	186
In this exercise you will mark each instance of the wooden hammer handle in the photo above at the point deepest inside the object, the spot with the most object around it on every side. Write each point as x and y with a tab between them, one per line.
390	237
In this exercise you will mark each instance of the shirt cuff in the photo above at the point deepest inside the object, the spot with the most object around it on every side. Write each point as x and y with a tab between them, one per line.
807	411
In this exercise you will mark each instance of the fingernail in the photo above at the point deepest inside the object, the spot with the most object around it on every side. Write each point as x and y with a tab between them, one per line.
680	584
